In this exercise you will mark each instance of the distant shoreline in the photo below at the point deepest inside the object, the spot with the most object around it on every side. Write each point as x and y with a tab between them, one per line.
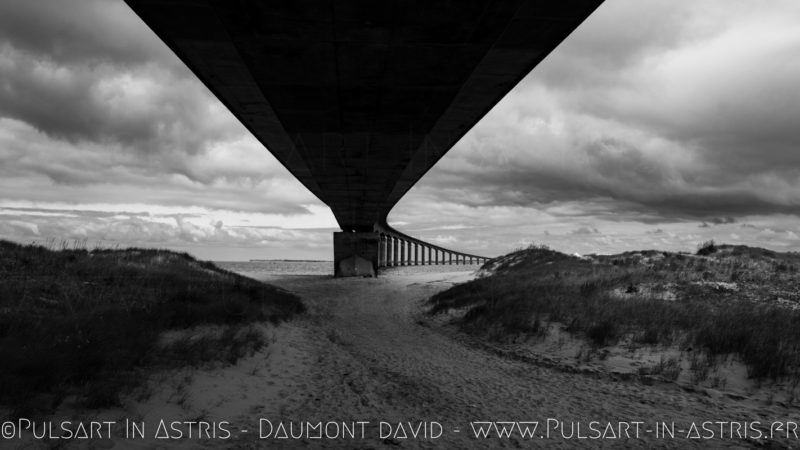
289	260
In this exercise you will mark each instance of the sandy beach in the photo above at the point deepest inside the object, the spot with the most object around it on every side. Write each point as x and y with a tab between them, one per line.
366	353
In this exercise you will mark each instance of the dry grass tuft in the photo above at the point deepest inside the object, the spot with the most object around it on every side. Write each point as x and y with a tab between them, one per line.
84	323
725	300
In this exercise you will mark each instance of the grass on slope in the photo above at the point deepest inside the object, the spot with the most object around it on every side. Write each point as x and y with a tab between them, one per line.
724	300
84	323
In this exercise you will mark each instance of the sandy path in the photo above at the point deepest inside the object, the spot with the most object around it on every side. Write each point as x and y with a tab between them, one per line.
371	356
365	352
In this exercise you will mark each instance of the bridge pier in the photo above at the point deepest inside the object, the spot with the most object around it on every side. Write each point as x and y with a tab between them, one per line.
387	250
382	250
355	253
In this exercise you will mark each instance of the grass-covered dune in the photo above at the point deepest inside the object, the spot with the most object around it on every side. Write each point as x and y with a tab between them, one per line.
723	300
84	324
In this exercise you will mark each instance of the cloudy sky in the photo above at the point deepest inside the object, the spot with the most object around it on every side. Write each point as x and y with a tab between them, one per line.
657	124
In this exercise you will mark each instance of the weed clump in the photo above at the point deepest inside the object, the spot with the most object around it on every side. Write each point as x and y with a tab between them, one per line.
706	248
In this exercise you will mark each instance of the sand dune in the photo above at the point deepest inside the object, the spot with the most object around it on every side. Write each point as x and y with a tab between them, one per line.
366	352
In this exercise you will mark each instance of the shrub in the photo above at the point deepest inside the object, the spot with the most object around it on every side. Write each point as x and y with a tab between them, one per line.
602	332
706	248
715	321
77	322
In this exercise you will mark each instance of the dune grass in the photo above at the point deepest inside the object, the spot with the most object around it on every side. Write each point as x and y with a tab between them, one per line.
86	323
723	300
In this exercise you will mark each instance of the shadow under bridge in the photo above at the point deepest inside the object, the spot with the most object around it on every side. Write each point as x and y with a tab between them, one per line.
359	99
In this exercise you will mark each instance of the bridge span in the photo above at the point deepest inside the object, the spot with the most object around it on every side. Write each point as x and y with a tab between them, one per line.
358	99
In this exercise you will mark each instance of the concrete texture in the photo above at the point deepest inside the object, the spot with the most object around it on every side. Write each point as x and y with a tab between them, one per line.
356	254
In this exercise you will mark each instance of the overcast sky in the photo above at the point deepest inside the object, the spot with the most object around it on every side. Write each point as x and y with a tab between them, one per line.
656	124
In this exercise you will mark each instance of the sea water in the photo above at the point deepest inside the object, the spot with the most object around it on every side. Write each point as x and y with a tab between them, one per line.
278	267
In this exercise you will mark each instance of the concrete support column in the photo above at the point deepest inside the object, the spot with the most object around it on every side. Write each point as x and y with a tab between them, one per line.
395	252
430	253
416	253
451	259
385	241
402	251
355	254
381	251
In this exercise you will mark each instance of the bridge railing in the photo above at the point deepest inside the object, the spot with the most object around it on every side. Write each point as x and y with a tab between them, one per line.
398	249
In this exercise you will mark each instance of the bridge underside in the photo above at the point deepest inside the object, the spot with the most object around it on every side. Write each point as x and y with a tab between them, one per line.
359	98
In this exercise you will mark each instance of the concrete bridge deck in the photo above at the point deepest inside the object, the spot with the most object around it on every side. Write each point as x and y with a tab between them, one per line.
360	98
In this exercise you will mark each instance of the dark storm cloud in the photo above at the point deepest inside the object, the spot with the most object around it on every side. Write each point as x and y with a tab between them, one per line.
80	32
149	110
89	71
682	110
92	101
